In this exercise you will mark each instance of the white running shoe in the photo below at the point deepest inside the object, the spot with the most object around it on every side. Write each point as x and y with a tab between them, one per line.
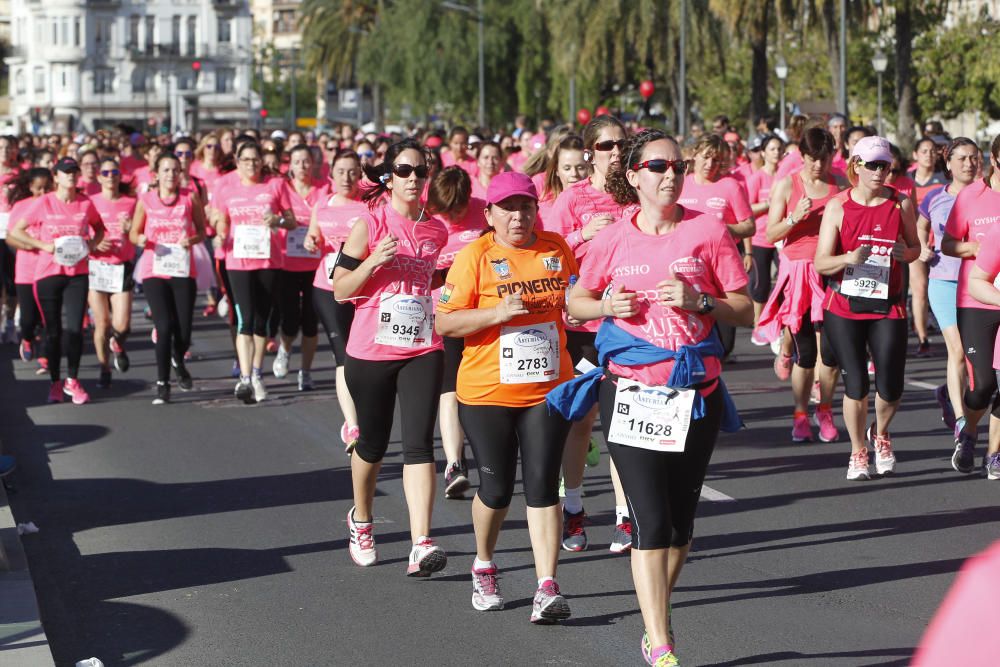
425	558
362	544
885	460
259	390
280	365
857	467
222	308
485	590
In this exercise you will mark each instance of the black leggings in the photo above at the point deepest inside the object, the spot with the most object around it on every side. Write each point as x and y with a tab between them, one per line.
662	488
53	294
978	328
171	301
253	296
374	386
337	319
295	290
496	433
30	315
760	273
851	341
806	352
453	349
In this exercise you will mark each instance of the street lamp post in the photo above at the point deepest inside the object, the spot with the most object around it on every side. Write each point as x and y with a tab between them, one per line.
479	15
879	63
781	71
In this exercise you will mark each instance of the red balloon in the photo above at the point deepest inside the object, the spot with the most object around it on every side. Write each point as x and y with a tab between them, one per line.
583	116
646	89
602	111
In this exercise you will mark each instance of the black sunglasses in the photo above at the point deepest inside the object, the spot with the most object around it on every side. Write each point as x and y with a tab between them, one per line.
404	170
876	165
661	166
609	145
110	172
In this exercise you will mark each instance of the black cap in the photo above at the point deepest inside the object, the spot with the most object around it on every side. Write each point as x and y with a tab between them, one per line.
67	165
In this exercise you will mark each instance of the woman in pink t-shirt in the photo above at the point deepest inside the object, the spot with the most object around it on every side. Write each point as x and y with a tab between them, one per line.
565	168
762	250
489	163
295	281
111	266
68	230
206	159
388	267
252	211
143	176
975	214
169	223
88	181
669	274
28	189
330	224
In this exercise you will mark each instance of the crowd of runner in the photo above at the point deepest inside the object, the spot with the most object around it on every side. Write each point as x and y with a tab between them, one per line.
514	290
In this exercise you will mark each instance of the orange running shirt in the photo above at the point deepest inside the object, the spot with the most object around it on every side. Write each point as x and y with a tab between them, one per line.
485	272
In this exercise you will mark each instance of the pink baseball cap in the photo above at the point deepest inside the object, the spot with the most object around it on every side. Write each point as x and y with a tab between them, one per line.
510	184
872	149
433	141
731	137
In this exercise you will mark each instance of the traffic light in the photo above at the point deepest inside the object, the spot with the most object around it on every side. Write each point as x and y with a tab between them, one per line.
263	113
196	66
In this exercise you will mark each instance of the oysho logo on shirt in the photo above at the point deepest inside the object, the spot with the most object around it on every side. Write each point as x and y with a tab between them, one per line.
552	263
501	267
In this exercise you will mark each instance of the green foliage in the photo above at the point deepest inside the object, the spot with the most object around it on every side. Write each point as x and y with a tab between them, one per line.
959	70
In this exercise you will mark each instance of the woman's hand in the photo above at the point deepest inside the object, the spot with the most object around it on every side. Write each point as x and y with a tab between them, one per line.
596	224
622	304
676	293
510	307
385	251
861	254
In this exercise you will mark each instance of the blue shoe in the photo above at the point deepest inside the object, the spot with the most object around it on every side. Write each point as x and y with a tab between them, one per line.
235	374
7	465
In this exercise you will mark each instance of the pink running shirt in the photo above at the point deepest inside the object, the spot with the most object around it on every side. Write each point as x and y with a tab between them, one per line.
116	214
975	212
759	191
726	199
166	222
246	205
302	208
335	224
25	260
57	219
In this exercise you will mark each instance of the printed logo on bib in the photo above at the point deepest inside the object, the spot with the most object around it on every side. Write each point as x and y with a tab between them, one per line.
404	320
656	418
501	267
552	263
171	259
70	250
529	353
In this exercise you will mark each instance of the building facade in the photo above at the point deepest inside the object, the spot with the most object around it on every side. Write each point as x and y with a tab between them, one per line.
85	64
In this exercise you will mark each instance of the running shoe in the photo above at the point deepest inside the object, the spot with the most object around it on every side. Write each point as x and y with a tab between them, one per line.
485	590
305	381
815	394
280	365
924	349
456	480
647	649
244	392
857	467
964	458
426	558
73	389
757	339
56	392
824	422
871	369
210	309
622	540
235	372
104	379
223	307
259	390
184	380
776	346
992	465
7	465
944	400
885	460
43	366
549	606
593	454
26	350
162	393
574	536
120	356
153	336
801	430
349	436
664	656
272	346
362	544
783	367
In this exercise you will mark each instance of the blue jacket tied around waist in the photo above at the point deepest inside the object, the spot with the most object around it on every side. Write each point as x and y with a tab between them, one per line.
575	398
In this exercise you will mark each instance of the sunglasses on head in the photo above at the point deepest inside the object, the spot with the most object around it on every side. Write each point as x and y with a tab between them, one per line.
661	166
876	165
404	170
110	172
605	146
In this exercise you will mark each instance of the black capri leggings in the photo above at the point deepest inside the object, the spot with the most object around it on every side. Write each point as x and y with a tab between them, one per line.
295	290
496	433
171	301
978	328
806	352
253	296
852	339
54	294
760	272
337	319
453	348
374	386
662	488
31	317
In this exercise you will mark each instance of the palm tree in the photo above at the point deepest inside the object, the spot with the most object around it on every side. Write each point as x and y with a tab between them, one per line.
752	20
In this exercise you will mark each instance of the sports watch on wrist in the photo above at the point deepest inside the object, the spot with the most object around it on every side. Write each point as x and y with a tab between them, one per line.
707	303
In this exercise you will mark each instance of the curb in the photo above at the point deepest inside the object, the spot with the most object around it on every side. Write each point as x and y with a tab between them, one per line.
22	639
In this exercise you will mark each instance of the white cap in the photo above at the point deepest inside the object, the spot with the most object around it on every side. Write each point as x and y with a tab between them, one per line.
279	134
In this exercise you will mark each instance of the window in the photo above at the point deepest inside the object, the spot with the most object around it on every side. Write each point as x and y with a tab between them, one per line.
64	37
192	32
133	32
140	80
76	31
64	80
102	34
185	81
150	25
38	76
104	79
225	30
19	84
225	79
175	34
284	21
55	31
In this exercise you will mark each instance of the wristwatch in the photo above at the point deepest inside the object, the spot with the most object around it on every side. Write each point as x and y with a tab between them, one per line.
790	221
707	303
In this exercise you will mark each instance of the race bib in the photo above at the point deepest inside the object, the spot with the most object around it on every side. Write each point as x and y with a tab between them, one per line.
4	222
869	280
70	250
529	353
329	264
656	418
295	243
404	320
105	277
251	242
170	259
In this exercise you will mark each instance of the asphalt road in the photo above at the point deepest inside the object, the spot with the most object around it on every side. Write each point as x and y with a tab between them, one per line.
210	533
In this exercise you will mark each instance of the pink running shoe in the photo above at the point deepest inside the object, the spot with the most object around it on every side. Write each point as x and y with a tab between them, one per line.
857	466
56	392
824	422
426	558
74	390
801	430
549	606
783	367
485	591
